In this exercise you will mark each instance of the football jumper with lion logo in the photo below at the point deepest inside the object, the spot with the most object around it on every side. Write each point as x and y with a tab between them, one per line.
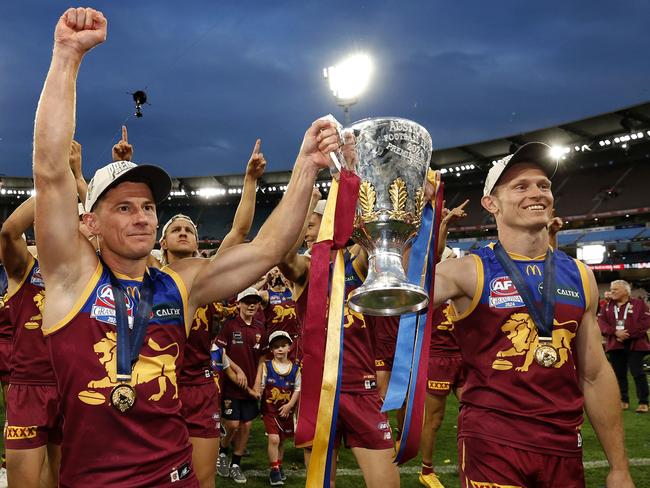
508	397
149	443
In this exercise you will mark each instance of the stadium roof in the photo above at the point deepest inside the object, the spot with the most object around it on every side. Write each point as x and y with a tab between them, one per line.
617	130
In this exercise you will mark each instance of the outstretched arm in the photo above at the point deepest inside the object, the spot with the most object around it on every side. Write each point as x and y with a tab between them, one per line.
448	217
14	248
67	258
243	220
238	267
602	398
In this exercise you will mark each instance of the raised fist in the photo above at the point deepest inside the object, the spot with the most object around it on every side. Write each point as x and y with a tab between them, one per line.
123	151
79	30
256	164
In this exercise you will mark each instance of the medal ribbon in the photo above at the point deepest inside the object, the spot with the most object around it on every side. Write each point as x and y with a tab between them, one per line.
409	443
543	313
130	342
401	372
322	361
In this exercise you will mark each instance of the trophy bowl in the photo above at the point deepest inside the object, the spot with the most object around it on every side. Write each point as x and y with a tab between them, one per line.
391	156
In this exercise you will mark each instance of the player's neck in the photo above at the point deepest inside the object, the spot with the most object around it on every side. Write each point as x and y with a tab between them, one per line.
281	361
529	243
622	301
133	268
176	256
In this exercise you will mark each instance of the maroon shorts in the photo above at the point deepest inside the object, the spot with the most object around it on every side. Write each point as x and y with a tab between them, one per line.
445	374
33	418
384	355
201	410
485	463
5	361
274	424
361	423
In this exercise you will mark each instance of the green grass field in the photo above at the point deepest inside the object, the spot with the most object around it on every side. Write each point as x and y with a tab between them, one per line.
637	432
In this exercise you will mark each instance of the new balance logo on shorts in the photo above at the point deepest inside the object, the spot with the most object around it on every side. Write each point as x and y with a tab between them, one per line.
180	473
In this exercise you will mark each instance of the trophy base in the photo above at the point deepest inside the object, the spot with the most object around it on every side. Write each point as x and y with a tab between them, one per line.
385	300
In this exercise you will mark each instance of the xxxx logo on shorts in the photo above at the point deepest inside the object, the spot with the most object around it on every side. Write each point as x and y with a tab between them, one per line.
486	484
104	307
17	433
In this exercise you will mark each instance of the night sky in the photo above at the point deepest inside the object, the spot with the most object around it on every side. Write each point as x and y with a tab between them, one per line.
221	73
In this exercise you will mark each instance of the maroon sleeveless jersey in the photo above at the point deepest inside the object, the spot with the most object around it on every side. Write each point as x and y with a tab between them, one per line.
148	445
358	375
508	397
30	360
196	368
443	342
280	313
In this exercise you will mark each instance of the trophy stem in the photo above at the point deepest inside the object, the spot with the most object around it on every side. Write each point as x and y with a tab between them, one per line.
386	291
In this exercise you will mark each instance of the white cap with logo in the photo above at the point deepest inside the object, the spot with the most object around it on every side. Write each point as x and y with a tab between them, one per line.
532	152
279	333
115	173
249	292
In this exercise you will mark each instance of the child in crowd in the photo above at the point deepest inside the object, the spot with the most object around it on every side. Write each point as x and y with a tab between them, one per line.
278	383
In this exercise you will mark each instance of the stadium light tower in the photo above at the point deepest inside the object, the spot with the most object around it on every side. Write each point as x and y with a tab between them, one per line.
348	80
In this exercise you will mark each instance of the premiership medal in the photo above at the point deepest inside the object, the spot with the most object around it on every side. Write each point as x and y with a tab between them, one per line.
128	342
546	355
123	397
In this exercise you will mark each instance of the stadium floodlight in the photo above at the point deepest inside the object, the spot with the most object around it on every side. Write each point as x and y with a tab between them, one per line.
348	80
591	253
558	151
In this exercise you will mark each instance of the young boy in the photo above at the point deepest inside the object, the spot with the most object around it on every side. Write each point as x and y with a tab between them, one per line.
278	383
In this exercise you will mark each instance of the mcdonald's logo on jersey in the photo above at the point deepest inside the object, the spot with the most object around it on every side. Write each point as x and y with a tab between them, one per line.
533	270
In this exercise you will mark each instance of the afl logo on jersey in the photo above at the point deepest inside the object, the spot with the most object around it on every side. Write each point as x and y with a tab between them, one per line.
503	293
104	307
37	278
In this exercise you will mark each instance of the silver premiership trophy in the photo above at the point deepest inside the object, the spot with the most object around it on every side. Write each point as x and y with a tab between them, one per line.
391	157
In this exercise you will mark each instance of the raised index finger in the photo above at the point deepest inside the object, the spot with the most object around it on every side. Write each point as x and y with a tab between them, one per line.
256	149
462	205
125	136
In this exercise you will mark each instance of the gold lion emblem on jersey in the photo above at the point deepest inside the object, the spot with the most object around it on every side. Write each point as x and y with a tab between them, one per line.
522	332
277	396
35	321
351	315
448	323
201	318
160	368
282	313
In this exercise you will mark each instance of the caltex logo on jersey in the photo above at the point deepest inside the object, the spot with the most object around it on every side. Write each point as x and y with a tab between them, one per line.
503	294
104	307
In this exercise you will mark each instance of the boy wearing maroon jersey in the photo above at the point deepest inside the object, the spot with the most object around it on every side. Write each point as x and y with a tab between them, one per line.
244	340
122	417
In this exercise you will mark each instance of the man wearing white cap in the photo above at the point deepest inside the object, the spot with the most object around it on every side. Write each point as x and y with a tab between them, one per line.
244	340
525	321
115	329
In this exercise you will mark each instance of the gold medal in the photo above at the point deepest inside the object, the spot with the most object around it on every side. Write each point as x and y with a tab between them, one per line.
123	397
546	355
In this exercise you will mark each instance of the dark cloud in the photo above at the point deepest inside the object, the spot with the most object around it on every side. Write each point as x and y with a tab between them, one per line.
220	74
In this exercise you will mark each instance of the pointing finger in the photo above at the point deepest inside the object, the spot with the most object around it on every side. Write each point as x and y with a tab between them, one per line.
462	205
256	149
125	136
